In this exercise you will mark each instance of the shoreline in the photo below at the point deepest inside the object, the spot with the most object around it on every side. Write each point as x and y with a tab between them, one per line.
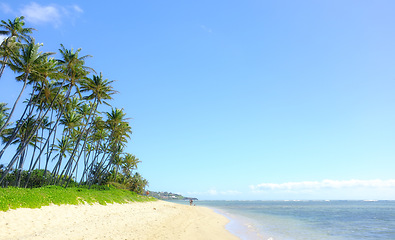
139	220
242	227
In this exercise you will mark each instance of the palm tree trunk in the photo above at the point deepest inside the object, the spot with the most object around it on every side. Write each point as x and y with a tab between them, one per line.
78	159
19	151
56	168
89	166
13	108
53	142
19	124
19	172
90	182
56	123
93	110
84	130
3	65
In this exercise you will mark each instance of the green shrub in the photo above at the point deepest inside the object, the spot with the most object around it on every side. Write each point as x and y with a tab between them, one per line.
12	198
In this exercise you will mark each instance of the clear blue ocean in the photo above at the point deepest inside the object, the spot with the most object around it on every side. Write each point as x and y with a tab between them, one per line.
313	220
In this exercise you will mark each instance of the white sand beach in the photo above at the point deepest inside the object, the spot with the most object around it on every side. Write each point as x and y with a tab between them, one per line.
149	220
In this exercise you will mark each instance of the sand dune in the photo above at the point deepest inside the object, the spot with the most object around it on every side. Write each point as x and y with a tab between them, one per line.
151	220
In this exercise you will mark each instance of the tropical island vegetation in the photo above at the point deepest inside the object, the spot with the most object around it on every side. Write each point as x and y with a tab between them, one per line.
165	195
169	196
62	137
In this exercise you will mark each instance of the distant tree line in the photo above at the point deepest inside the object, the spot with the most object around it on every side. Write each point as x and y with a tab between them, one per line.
62	137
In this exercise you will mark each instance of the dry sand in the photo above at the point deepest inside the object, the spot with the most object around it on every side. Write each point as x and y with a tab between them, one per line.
150	220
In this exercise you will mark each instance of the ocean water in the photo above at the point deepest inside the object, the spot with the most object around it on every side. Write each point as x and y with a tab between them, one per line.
312	220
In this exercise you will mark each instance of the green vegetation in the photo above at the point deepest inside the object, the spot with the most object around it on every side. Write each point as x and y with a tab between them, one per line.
12	198
166	195
64	137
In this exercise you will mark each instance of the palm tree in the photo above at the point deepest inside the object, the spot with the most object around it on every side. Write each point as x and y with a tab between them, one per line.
119	130
29	61
129	163
65	102
71	120
23	140
73	70
14	30
100	90
44	91
9	47
3	114
64	145
138	183
98	137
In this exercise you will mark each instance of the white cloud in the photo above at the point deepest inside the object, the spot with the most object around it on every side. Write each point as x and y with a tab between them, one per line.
212	192
39	14
52	14
325	184
77	9
2	38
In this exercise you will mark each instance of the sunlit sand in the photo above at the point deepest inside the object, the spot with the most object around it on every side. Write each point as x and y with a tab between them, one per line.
150	220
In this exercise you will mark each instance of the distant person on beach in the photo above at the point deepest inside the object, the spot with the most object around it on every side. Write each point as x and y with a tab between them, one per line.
190	202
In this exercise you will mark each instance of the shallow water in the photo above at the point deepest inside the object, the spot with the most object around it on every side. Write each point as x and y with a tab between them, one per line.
299	220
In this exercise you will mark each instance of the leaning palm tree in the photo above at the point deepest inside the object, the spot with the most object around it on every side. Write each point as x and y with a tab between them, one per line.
40	94
29	61
14	30
98	137
99	90
119	130
73	70
63	147
21	140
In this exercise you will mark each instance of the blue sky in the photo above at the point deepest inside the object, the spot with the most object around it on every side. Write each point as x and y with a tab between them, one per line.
242	99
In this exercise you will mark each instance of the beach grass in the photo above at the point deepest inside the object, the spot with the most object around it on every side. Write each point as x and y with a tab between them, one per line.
13	198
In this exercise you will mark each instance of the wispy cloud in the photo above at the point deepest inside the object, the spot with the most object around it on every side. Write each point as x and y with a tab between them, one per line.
77	9
53	14
206	29
325	184
36	13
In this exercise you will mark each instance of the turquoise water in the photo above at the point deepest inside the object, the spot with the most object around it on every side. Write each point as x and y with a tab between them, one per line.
316	220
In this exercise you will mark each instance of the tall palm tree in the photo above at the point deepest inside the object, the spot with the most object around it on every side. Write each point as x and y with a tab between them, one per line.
98	137
99	90
119	129
40	97
14	30
29	61
73	70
